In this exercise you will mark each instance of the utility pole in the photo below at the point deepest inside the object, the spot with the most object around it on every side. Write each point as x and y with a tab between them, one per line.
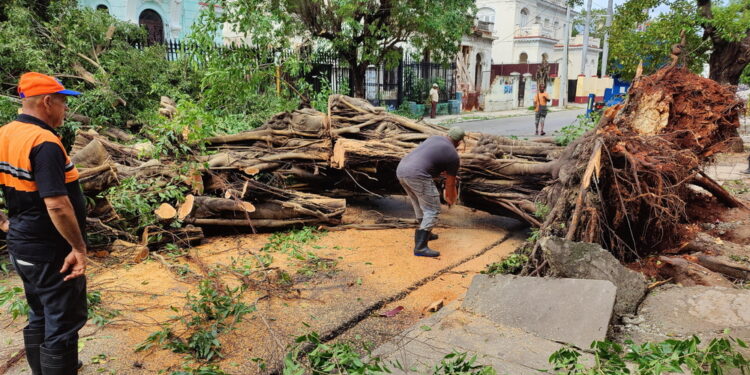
607	25
563	97
586	31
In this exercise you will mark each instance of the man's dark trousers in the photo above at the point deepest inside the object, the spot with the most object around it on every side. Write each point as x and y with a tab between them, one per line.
57	308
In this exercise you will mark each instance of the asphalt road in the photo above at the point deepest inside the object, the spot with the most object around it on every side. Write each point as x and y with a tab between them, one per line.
522	126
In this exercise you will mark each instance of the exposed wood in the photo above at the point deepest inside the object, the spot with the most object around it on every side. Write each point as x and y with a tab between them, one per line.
186	208
92	155
165	212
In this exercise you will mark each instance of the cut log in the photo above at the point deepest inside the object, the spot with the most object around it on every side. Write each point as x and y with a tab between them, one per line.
92	155
118	134
209	207
690	274
97	179
165	212
186	208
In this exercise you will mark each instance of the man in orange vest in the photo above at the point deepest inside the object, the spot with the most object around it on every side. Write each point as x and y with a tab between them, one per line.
47	213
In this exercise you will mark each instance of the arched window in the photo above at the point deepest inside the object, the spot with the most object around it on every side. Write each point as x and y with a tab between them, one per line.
103	8
524	17
486	15
545	57
151	20
523	58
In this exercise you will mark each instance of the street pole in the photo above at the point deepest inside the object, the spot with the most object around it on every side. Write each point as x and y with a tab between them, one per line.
586	31
607	25
563	97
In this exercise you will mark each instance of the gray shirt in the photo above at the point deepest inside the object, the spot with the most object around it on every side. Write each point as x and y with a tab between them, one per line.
435	155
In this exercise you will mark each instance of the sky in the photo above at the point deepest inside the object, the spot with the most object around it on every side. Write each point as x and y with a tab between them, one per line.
602	4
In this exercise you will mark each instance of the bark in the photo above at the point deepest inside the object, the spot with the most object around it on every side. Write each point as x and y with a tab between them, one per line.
97	179
691	274
156	237
728	58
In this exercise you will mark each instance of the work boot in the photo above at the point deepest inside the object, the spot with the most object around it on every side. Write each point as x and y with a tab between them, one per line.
433	236
59	361
420	244
32	340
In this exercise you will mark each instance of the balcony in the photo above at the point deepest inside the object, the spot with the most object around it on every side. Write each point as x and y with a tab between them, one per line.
535	30
485	26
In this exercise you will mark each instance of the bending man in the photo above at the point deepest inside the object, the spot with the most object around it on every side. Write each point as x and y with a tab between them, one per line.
47	212
416	170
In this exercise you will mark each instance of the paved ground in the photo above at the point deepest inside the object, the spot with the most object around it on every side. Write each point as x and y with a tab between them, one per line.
522	126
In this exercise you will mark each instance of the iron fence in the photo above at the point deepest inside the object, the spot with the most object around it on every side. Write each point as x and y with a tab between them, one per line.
384	86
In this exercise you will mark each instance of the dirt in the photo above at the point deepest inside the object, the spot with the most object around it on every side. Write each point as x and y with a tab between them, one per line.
374	271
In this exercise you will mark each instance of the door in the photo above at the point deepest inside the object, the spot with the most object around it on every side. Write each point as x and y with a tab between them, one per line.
521	89
154	26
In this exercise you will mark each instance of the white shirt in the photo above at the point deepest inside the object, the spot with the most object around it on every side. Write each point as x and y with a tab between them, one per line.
434	95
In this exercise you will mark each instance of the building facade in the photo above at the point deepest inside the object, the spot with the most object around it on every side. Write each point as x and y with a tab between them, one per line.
530	31
163	19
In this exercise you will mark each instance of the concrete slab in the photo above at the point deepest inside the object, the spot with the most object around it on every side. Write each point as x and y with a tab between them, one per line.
680	312
508	350
581	260
567	310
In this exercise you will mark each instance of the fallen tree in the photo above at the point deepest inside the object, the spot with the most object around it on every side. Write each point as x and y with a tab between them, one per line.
626	185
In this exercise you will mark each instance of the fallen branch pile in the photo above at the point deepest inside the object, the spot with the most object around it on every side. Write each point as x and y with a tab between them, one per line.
626	185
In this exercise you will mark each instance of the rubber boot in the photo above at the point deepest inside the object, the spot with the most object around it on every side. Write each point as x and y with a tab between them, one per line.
433	236
59	361
32	340
420	244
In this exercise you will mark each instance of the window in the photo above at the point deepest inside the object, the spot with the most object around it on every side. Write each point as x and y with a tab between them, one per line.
524	17
103	8
486	15
153	24
545	57
546	22
523	58
537	20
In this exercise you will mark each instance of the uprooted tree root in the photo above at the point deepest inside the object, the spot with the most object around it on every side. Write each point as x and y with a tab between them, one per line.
626	185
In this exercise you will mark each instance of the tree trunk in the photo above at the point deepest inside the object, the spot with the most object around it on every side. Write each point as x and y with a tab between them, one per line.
728	60
359	71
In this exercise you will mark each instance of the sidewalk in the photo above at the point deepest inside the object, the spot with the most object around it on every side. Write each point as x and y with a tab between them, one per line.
481	115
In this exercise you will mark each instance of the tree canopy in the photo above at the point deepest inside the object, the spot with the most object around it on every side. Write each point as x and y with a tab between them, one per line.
715	33
362	32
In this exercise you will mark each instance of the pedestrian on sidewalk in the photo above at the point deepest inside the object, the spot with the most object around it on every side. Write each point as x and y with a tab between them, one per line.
747	171
435	156
434	99
45	225
540	109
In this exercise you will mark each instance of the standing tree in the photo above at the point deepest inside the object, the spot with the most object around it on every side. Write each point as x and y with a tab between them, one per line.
717	34
362	32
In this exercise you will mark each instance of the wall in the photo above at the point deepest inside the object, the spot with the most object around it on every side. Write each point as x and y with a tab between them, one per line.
592	85
178	15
